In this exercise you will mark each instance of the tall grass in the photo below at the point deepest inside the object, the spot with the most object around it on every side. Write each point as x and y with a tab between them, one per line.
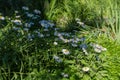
88	11
115	19
101	14
111	19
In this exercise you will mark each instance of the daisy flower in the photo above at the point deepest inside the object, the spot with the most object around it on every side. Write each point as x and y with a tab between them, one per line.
98	48
65	51
85	69
55	43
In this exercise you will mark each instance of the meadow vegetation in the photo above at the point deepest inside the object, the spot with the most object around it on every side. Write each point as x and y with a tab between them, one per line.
59	40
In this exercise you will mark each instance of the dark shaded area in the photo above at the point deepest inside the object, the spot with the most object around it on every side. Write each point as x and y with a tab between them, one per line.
7	7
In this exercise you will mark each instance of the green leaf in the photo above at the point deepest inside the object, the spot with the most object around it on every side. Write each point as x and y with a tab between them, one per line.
70	61
86	77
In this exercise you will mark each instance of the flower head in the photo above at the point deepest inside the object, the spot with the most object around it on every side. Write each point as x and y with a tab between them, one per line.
26	29
16	28
29	24
16	12
85	51
64	75
85	69
55	43
98	48
80	23
74	45
77	19
35	17
37	11
65	51
57	59
66	40
40	35
17	22
25	8
2	18
30	36
17	16
30	15
83	45
46	24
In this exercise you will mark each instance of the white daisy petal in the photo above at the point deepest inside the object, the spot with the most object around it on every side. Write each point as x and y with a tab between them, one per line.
65	51
85	69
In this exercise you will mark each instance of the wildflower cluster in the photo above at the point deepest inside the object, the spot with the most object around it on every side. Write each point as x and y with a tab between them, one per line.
98	48
49	44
